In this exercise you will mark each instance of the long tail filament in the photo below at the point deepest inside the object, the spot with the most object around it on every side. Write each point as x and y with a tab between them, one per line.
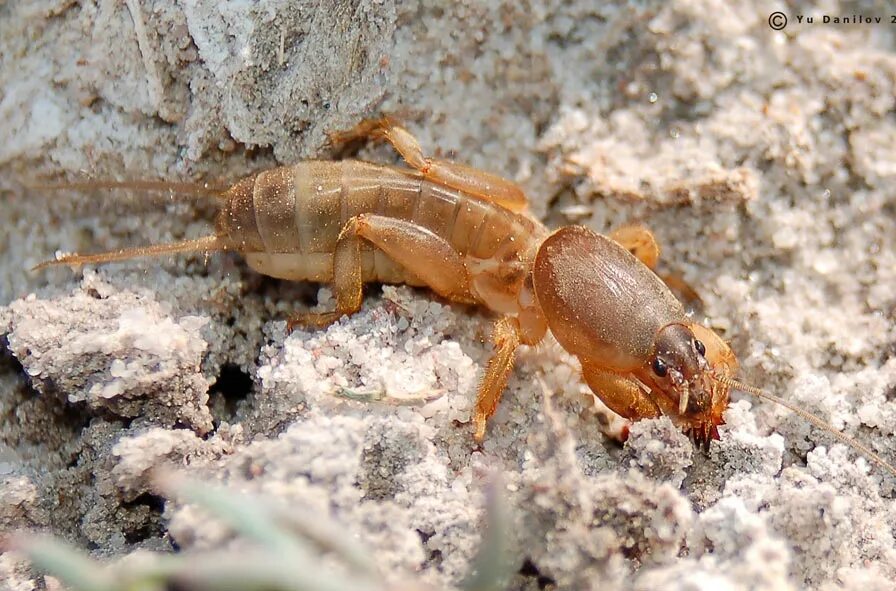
206	244
187	189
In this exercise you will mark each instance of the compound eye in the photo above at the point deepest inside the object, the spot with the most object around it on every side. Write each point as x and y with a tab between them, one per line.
659	367
700	348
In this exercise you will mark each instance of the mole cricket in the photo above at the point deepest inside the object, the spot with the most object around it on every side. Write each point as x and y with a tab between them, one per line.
466	235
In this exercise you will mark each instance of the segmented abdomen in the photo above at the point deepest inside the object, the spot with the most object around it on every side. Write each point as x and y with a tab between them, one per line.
287	220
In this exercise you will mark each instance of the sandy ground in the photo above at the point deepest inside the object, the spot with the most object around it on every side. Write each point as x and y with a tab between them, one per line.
763	160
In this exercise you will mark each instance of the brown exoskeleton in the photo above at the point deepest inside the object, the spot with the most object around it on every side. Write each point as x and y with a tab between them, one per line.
465	234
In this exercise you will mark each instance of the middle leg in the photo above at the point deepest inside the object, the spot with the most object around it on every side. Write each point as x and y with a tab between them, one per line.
506	338
641	242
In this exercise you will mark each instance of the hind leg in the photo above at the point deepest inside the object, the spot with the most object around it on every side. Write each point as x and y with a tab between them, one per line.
423	254
464	178
347	282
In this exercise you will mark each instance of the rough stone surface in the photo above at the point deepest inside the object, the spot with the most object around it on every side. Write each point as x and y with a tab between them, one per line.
762	160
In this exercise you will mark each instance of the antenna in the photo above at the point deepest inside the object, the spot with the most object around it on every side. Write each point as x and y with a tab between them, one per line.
811	418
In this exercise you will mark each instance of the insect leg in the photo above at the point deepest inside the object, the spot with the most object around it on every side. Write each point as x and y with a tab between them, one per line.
464	178
506	337
641	242
347	281
422	253
621	394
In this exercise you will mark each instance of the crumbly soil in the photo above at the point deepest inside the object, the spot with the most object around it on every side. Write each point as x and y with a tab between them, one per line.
763	160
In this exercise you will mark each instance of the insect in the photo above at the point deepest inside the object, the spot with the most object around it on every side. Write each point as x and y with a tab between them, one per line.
465	234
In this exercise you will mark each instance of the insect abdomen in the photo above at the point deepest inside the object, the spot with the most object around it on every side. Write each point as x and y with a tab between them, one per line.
286	221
